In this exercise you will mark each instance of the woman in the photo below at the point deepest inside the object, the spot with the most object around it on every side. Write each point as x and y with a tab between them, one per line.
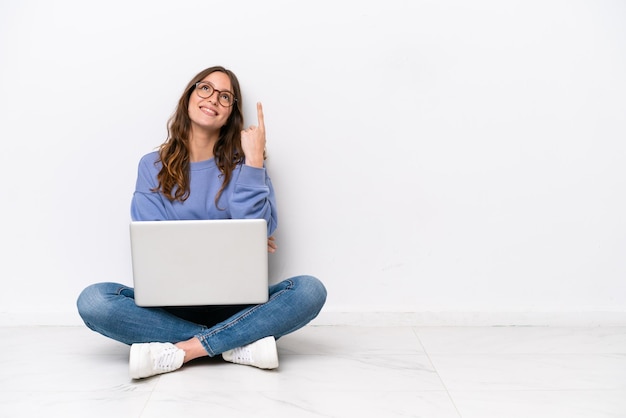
208	168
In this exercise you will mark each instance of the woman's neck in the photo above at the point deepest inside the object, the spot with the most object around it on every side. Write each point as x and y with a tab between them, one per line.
201	146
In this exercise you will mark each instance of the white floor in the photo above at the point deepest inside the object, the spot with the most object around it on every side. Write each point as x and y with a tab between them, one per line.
502	372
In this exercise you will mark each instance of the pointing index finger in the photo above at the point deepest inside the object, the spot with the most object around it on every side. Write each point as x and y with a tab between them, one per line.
261	119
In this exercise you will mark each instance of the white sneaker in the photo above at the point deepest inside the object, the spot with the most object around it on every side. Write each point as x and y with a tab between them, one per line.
261	354
148	359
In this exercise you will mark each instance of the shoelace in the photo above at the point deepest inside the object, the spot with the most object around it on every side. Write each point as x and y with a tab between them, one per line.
165	360
242	354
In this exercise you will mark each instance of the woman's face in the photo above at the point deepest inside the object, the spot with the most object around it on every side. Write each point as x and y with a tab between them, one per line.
208	113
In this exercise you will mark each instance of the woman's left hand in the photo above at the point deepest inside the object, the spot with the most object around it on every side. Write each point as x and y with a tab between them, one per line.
253	141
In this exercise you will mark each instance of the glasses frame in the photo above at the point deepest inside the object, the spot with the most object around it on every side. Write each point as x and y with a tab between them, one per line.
219	98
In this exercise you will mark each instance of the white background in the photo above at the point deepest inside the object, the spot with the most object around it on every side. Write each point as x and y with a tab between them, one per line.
428	156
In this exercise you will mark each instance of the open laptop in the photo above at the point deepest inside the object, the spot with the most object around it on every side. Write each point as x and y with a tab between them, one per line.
199	262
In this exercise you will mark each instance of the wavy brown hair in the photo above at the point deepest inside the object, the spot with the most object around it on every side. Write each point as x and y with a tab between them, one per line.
174	152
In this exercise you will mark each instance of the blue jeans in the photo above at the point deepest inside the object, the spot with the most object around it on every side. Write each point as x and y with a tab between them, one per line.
110	309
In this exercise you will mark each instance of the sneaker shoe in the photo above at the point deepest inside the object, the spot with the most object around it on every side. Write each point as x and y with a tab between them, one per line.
149	359
261	354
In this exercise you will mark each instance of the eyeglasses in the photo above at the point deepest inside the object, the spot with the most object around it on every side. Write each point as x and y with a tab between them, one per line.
206	90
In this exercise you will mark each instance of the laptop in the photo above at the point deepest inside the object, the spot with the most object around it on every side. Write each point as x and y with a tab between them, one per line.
199	262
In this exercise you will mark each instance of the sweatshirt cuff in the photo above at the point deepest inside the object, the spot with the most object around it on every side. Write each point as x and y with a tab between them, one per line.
251	176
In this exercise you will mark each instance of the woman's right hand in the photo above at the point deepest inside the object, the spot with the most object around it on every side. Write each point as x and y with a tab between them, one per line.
271	245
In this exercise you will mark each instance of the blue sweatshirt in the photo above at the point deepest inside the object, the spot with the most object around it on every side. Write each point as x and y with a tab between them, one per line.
248	195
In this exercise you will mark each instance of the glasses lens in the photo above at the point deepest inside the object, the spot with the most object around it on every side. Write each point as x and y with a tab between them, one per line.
204	90
226	99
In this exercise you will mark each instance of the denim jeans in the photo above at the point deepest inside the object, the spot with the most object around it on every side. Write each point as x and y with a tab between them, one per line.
110	309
